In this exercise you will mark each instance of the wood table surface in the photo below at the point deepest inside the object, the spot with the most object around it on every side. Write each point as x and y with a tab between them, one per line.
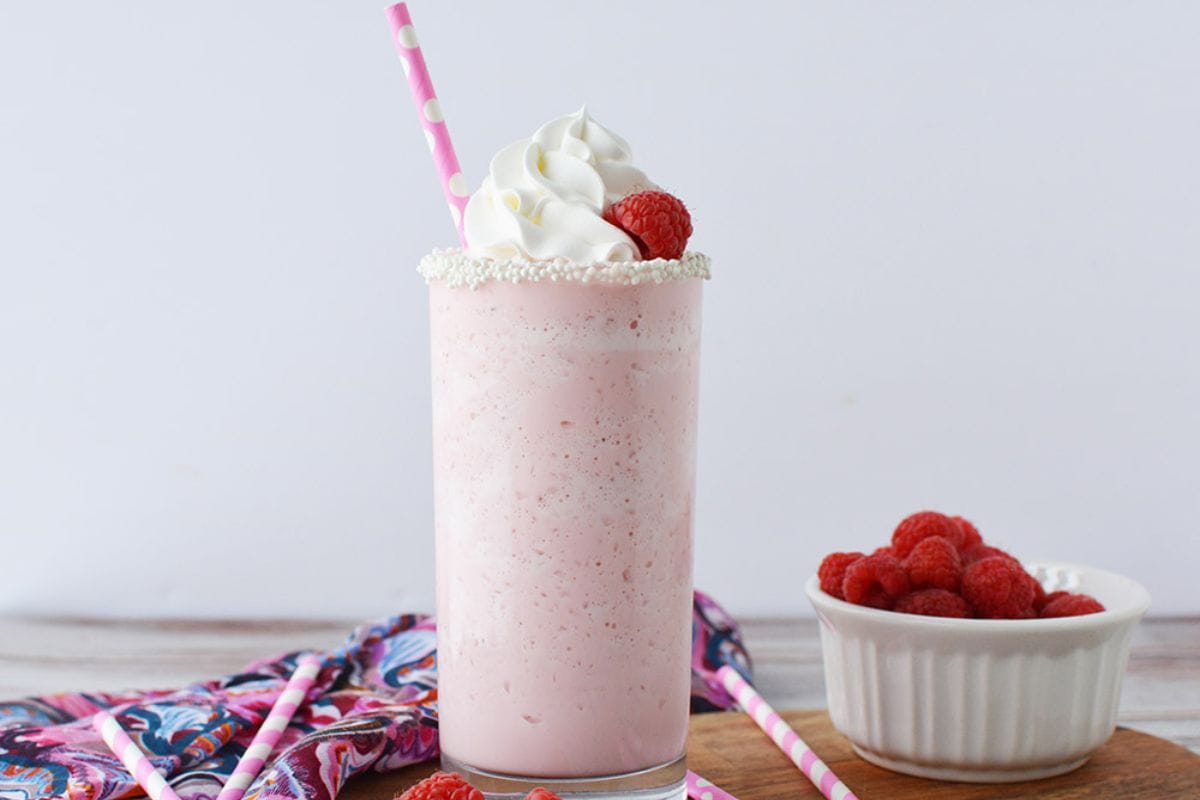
731	752
1161	693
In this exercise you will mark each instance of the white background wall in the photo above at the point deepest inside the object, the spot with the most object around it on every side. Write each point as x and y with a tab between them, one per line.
957	255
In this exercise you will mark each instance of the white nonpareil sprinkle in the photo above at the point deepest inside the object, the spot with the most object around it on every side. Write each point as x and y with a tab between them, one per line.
457	268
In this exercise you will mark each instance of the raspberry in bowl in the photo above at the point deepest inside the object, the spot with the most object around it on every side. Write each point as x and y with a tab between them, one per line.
984	671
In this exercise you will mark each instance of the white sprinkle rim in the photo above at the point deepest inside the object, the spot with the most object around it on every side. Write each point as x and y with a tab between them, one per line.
457	268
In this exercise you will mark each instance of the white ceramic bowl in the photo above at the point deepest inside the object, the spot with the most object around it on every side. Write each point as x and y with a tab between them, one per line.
977	699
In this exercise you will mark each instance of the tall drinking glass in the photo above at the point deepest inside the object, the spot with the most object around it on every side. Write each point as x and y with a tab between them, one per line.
564	442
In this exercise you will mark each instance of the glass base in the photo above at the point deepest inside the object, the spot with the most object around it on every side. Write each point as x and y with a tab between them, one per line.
664	782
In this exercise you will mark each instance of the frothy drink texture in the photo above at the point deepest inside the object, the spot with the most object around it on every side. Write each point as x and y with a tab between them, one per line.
566	344
564	422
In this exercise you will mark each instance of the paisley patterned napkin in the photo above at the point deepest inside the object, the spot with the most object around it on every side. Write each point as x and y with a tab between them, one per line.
373	707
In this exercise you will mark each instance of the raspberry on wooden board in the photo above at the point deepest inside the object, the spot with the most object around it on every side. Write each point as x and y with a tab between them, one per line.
442	786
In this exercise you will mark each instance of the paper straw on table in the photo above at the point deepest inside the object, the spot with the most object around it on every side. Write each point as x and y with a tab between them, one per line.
292	696
701	789
132	757
429	111
784	737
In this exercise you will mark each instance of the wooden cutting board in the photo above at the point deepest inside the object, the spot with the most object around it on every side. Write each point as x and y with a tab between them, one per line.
730	751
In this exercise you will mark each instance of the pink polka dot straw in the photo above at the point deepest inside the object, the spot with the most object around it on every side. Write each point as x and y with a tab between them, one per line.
783	736
700	789
429	111
129	754
272	728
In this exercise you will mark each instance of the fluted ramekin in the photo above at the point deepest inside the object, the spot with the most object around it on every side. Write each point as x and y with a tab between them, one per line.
975	699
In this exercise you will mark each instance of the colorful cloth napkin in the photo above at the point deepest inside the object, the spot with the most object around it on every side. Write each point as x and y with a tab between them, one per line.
373	707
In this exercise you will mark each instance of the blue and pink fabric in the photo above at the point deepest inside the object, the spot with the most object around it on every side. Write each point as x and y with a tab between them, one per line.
373	707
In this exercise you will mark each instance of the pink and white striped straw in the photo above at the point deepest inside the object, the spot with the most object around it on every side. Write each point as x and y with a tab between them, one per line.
701	789
784	737
273	726
429	111
139	766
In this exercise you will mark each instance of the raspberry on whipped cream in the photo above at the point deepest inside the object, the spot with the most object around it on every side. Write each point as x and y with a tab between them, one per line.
545	196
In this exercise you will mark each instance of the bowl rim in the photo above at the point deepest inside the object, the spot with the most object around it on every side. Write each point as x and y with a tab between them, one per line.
1138	603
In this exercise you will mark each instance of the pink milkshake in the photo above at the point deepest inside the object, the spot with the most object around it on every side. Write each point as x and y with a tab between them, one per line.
564	425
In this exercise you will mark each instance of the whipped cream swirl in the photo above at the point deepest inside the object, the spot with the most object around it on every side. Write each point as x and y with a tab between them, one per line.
544	197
